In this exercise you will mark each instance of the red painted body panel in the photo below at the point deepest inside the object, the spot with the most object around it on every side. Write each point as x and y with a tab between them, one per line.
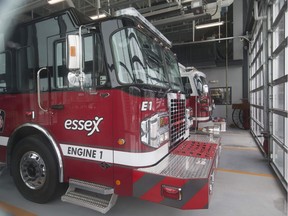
82	106
88	171
199	109
200	200
125	176
109	105
15	107
121	113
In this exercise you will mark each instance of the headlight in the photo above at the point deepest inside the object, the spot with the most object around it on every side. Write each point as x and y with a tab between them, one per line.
154	137
155	130
145	132
204	100
188	119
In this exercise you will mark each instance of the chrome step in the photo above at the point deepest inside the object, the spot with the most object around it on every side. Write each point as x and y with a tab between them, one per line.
89	201
89	195
101	189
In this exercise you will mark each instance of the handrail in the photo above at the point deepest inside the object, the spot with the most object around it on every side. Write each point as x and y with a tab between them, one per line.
38	89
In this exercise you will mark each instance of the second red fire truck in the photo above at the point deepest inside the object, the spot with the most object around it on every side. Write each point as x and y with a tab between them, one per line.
198	96
99	105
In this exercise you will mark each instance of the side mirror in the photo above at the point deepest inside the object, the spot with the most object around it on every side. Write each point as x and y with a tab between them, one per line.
73	52
76	77
205	89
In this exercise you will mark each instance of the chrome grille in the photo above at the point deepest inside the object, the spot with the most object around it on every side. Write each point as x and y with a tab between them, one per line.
177	105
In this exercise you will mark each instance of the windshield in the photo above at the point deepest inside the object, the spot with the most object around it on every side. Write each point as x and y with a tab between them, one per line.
139	60
200	81
173	68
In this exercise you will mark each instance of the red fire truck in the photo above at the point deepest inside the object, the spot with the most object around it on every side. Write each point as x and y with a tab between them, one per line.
199	99
99	105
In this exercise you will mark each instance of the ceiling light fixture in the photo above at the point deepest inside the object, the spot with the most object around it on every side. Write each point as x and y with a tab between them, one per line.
100	16
208	25
54	1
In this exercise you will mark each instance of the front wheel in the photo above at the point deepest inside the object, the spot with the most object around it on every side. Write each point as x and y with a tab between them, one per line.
34	169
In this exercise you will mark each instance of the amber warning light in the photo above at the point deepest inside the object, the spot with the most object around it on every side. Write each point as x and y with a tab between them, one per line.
164	121
72	51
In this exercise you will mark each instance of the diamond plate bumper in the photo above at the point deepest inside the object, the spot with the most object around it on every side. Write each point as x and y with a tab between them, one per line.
189	168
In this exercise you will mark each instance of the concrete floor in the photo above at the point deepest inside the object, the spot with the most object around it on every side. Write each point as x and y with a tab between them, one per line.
244	186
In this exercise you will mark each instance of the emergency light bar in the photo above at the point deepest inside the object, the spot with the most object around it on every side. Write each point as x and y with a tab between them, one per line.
134	13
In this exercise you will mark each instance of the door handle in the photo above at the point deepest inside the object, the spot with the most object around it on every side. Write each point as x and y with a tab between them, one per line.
57	106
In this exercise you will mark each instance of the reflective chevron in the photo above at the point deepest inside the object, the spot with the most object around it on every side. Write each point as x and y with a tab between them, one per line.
195	193
188	170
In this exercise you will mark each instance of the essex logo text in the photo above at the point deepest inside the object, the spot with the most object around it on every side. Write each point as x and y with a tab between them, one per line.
91	126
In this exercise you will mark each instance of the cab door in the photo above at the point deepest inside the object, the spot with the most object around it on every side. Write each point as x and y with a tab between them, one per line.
81	119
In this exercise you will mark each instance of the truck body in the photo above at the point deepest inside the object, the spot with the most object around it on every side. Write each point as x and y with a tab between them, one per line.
199	99
99	105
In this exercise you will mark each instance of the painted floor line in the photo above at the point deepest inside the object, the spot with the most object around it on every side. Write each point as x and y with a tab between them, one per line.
13	210
246	173
240	148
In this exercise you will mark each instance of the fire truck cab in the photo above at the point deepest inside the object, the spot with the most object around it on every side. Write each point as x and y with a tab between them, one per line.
99	105
197	90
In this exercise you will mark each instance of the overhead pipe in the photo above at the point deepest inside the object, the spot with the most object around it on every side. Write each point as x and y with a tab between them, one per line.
109	7
162	11
242	38
179	18
118	4
224	3
157	7
98	6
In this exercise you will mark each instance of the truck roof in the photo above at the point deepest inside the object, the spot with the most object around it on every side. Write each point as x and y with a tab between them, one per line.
81	19
190	71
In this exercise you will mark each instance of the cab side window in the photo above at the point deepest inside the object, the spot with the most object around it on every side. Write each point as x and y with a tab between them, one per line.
26	69
3	72
61	71
93	64
6	84
187	85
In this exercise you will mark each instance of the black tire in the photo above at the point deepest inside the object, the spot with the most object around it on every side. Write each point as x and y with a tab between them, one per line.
237	118
34	162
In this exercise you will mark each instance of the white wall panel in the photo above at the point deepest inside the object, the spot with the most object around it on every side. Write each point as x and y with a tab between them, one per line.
234	80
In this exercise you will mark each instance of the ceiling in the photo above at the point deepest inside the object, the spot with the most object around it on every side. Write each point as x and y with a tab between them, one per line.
176	19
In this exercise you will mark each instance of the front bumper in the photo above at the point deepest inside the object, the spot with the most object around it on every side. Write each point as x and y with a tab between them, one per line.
190	168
